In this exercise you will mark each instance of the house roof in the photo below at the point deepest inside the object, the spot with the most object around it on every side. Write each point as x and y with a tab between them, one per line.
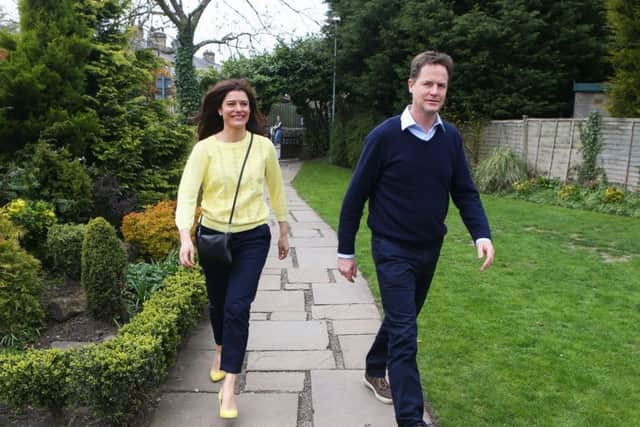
589	87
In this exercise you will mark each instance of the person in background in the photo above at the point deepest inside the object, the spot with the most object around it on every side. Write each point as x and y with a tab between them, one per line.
227	120
409	166
277	131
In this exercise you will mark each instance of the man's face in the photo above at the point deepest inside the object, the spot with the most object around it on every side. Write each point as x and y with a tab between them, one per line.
429	89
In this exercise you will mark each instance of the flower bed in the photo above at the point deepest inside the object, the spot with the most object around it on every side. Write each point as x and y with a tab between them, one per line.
115	377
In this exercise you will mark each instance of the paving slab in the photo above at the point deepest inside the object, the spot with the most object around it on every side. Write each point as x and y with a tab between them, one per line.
313	241
297	231
355	349
288	335
356	327
341	294
346	311
201	410
305	215
308	275
290	360
342	281
258	316
191	372
297	286
275	381
202	336
340	399
288	315
274	262
310	256
269	283
268	301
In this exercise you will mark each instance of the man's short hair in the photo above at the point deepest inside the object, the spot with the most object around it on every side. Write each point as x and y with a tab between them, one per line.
430	57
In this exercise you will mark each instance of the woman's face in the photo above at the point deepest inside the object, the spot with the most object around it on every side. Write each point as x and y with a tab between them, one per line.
235	109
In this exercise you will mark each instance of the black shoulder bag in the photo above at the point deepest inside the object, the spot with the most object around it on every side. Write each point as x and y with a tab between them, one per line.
216	248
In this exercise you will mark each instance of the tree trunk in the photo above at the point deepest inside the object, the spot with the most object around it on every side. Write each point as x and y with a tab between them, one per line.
186	83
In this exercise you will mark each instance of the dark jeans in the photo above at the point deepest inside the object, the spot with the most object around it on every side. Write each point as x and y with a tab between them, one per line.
232	289
404	277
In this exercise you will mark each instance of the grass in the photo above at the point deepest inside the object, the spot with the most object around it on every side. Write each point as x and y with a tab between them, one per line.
548	336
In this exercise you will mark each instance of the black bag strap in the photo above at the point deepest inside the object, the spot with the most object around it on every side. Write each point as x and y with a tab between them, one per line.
235	197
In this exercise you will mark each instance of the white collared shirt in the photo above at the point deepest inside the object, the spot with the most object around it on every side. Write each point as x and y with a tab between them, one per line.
408	122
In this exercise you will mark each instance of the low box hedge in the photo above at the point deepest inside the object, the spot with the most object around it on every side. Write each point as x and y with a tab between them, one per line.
115	377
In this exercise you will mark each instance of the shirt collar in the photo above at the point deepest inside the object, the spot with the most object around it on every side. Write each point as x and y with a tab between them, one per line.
407	120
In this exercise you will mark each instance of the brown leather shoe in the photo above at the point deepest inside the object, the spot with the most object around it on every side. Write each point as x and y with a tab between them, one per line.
380	388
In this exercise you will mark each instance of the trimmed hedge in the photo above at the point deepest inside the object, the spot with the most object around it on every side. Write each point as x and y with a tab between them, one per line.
64	247
103	270
116	377
20	288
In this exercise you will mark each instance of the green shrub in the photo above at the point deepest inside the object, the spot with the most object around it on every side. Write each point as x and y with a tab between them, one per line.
500	171
111	201
64	248
152	233
117	376
612	195
347	137
591	139
20	287
35	218
14	182
36	377
103	274
569	192
61	180
544	182
144	279
338	143
522	187
114	378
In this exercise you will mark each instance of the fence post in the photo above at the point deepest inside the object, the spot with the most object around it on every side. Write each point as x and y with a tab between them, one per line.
538	149
553	149
626	176
573	126
525	139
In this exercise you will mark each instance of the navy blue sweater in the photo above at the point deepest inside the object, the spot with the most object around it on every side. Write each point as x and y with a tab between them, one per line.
408	182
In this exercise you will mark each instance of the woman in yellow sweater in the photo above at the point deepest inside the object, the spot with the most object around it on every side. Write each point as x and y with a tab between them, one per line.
227	120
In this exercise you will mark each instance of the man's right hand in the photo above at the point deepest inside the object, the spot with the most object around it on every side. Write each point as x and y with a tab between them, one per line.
347	267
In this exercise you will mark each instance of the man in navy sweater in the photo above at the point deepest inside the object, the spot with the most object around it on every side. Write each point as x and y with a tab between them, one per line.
409	166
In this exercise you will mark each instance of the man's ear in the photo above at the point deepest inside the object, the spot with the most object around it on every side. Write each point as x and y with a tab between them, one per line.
410	84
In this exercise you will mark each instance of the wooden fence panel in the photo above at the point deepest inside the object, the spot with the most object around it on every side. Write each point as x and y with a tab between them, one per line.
552	146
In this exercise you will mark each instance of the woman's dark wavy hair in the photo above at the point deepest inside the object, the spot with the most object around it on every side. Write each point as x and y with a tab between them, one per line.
210	122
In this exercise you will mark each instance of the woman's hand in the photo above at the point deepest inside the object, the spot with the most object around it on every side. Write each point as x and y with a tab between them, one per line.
187	251
283	241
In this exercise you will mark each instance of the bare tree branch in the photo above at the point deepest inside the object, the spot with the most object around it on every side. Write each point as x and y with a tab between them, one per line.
228	38
300	12
237	12
177	9
198	11
250	4
168	12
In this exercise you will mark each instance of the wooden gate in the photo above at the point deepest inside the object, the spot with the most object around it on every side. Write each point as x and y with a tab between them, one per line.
292	142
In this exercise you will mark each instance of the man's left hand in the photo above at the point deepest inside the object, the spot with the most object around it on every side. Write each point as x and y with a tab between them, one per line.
485	249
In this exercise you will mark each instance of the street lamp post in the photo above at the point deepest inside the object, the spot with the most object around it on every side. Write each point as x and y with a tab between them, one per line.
336	20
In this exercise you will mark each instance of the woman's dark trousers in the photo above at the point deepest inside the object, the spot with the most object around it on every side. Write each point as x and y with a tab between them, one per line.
232	289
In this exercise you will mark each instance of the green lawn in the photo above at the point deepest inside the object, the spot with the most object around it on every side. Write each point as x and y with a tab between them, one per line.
548	336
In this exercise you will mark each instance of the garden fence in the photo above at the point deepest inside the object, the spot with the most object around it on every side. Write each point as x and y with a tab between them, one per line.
552	146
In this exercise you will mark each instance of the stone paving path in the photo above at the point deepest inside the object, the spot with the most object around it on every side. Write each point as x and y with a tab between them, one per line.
309	332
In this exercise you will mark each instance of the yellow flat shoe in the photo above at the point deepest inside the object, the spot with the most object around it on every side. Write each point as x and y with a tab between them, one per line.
216	375
226	414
